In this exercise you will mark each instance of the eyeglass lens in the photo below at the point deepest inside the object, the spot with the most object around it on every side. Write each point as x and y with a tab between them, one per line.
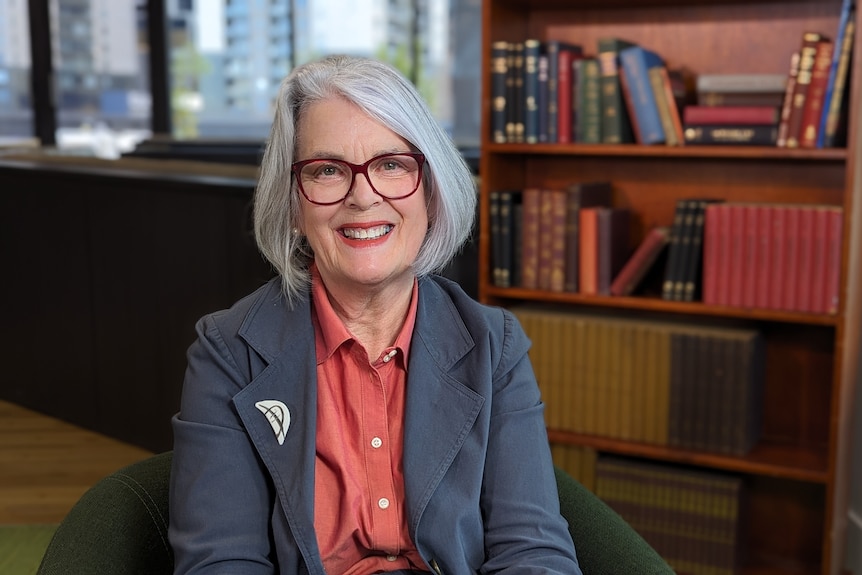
392	176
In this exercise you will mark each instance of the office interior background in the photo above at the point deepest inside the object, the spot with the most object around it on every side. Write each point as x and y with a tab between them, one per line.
99	77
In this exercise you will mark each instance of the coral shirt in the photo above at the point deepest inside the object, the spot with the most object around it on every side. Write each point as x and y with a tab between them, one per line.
359	514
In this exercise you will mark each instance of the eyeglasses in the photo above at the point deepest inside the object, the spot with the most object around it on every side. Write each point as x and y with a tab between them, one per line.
325	181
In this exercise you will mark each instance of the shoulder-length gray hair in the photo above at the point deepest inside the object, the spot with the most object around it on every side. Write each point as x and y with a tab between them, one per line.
385	95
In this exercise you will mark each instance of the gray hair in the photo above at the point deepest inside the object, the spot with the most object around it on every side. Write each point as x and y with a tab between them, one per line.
385	95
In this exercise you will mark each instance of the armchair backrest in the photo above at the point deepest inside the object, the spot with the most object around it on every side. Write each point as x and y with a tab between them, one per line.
120	527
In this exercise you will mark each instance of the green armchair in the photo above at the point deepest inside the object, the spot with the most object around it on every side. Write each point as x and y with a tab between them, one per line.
120	527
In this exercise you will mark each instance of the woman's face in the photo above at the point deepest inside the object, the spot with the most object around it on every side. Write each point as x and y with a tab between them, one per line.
365	240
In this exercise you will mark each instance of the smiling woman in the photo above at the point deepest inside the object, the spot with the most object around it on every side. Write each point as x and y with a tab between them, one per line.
406	398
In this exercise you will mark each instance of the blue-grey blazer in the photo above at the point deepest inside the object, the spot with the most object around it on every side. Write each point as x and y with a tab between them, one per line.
480	490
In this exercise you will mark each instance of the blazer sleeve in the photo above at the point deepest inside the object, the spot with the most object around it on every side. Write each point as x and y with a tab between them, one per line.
524	530
220	503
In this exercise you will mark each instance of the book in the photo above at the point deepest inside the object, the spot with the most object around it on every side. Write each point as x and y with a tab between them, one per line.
736	267
666	105
530	232
614	226
807	54
518	86
711	246
816	96
745	83
508	202
840	60
683	247
805	265
731	135
553	49
542	77
750	256
819	259
763	262
557	231
834	238
588	264
566	93
674	260
532	51
588	115
787	103
499	67
616	126
833	130
732	115
777	249
772	99
578	195
547	233
692	269
511	92
496	240
790	296
637	266
635	63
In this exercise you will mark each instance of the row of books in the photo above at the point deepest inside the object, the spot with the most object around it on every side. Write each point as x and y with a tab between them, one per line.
555	92
570	239
691	517
680	385
773	256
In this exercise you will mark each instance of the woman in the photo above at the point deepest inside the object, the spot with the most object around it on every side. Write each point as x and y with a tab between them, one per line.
359	414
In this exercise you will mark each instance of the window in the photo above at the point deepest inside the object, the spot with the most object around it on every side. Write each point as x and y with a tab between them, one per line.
227	57
16	113
100	60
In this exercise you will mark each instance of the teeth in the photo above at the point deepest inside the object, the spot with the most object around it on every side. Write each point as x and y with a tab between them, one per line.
366	233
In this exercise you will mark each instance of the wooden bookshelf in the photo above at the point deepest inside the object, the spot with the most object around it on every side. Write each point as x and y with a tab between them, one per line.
797	476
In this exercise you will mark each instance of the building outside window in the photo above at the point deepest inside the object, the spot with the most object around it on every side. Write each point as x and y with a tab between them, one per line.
228	57
16	114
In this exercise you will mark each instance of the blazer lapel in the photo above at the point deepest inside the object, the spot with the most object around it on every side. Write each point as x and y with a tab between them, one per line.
285	339
440	409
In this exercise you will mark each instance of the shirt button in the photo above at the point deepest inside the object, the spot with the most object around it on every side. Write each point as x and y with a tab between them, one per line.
376	443
391	558
383	503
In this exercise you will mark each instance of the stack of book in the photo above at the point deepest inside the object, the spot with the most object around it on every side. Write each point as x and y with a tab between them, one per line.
691	517
773	256
683	269
552	91
688	386
555	92
569	239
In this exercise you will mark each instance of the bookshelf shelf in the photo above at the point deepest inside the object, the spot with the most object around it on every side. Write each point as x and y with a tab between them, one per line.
777	460
508	296
753	153
796	475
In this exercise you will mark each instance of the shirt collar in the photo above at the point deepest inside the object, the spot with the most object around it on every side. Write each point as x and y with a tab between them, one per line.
330	332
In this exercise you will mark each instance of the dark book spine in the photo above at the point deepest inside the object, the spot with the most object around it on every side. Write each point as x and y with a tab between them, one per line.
731	135
498	91
532	48
807	56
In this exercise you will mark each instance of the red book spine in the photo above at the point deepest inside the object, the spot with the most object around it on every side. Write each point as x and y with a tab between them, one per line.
820	256
806	258
640	261
833	262
737	253
589	251
711	246
564	97
722	292
764	255
749	254
790	299
778	249
735	115
815	99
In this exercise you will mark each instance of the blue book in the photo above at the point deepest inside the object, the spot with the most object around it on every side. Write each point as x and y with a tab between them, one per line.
635	63
847	7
